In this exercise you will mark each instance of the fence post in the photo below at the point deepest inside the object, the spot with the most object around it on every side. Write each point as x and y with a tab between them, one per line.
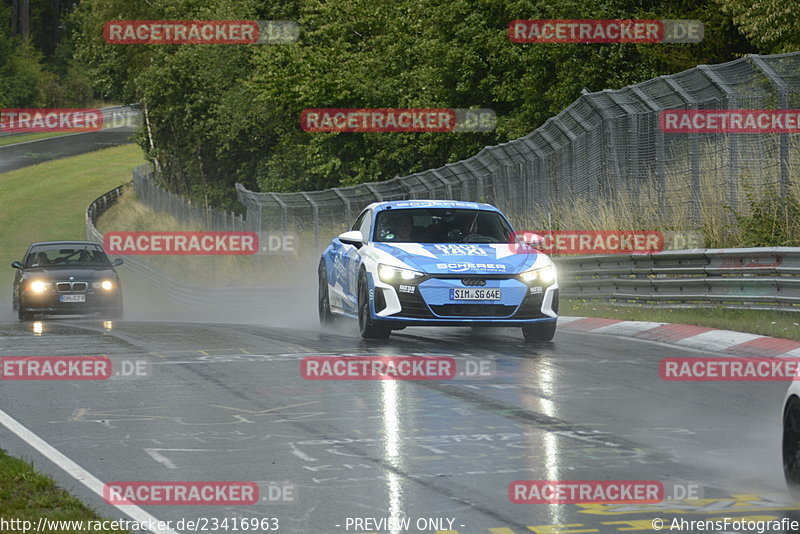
572	137
346	201
608	126
694	147
783	103
731	101
374	191
284	213
553	189
316	219
656	109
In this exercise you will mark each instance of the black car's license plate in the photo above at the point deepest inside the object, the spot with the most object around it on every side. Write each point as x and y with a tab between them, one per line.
72	298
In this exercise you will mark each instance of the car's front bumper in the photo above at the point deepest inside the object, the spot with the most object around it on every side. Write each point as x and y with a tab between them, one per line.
49	303
429	302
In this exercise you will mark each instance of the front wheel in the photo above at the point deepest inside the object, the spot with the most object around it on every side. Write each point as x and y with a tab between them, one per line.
539	332
22	315
366	326
323	297
791	446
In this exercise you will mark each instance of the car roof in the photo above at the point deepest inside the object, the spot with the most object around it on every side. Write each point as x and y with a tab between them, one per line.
422	203
64	243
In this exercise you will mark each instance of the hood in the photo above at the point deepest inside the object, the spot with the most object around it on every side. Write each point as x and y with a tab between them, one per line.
64	273
450	258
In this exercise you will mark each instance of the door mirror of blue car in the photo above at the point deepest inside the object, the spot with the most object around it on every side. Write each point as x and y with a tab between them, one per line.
353	237
16	265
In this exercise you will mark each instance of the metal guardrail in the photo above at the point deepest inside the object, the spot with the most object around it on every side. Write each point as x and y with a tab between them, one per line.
178	292
753	278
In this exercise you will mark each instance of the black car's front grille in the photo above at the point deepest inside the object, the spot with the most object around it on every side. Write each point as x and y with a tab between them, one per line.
66	287
473	310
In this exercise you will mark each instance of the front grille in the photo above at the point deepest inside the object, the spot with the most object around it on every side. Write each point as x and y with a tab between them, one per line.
66	287
473	310
473	281
412	305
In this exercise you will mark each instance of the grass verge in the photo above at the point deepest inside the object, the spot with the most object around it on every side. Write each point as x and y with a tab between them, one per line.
765	323
27	495
48	201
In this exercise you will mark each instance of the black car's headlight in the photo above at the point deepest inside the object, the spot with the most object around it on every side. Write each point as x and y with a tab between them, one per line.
106	285
39	286
394	275
543	275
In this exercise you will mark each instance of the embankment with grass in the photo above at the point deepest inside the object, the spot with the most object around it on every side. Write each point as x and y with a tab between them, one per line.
26	495
48	201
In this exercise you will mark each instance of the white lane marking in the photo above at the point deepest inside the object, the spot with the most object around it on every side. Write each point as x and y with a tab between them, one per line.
300	454
156	455
76	471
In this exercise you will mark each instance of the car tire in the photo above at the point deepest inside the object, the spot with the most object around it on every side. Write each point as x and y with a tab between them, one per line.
791	446
326	317
539	332
366	326
22	315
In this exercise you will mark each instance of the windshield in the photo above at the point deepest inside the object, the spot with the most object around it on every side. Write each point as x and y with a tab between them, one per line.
441	225
66	256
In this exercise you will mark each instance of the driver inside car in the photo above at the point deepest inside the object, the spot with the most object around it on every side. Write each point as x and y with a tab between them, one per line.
398	228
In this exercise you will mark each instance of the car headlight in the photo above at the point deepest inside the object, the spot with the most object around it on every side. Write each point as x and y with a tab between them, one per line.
391	275
106	285
546	275
38	286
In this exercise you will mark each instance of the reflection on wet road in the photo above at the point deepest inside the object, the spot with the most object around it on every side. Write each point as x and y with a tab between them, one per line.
227	403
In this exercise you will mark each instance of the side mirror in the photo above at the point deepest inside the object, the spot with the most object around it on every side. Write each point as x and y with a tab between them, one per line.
117	262
17	265
353	237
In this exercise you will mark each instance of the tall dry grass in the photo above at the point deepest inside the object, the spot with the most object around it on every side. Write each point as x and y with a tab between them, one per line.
718	218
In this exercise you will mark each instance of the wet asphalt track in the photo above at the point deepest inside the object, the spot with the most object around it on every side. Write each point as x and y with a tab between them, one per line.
226	402
30	153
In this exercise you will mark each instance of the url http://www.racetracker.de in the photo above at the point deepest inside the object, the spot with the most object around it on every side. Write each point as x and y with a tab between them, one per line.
213	524
725	524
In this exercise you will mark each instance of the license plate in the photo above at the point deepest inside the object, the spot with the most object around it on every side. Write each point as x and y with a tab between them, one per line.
475	293
72	298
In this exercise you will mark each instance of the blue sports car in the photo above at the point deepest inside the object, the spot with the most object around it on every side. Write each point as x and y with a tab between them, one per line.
436	263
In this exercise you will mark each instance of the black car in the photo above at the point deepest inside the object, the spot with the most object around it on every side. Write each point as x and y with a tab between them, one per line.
67	277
